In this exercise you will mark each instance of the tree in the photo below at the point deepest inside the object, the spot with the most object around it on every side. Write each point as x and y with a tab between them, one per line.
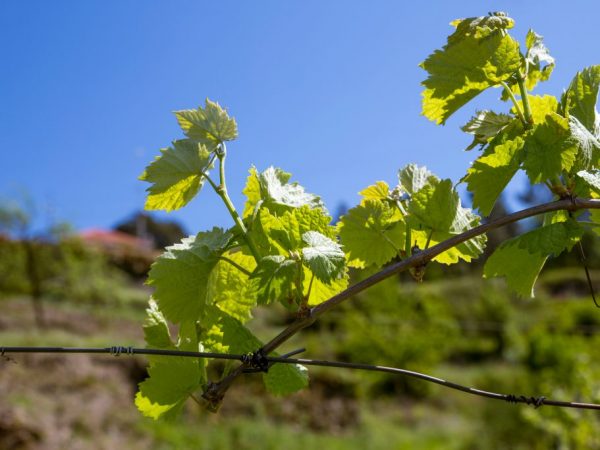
162	232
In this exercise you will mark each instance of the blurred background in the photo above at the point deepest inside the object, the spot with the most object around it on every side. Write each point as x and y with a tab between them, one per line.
329	91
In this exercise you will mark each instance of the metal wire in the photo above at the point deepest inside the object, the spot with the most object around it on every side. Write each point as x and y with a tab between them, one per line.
259	362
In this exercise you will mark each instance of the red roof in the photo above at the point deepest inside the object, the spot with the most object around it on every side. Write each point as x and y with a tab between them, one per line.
111	238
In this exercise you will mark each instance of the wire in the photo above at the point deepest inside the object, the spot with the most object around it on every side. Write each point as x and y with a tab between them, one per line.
260	362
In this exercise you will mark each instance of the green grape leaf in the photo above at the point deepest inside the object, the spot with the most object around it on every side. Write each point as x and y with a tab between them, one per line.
378	191
479	26
540	106
588	144
592	179
272	189
229	288
412	178
475	58
521	259
549	149
168	385
282	234
464	219
274	278
580	98
177	175
551	239
317	291
519	267
188	337
323	256
466	251
285	379
210	125
434	206
539	62
281	379
485	125
595	218
237	338
180	276
491	172
372	233
252	192
156	329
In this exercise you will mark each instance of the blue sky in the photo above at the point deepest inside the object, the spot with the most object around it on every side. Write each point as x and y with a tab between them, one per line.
327	90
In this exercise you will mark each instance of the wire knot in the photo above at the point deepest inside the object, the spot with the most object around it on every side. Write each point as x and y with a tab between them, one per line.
5	357
256	361
536	402
117	350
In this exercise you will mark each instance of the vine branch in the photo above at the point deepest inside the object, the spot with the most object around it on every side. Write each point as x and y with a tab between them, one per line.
215	391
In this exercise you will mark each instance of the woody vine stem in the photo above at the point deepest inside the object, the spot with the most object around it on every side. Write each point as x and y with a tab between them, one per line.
215	392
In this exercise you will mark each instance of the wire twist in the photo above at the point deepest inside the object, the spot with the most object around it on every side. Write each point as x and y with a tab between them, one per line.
256	361
536	402
117	350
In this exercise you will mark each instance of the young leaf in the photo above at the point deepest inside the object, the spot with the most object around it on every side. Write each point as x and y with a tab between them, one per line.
378	191
229	287
316	291
549	149
540	106
434	206
372	233
539	62
156	330
176	175
485	126
521	259
595	218
592	179
519	267
180	275
272	189
274	278
475	58
323	256
492	171
588	144
580	98
170	379
412	178
210	125
551	239
464	219
281	234
479	26
285	379
168	386
466	251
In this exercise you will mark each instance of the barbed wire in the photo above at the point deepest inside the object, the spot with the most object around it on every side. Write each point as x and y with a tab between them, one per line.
260	362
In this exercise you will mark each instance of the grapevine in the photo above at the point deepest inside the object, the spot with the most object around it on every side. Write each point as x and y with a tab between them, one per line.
283	248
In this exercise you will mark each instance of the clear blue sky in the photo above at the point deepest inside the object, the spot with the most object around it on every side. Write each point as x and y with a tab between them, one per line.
328	90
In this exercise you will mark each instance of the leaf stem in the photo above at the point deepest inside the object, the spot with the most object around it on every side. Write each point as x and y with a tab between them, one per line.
211	182
389	241
221	191
428	239
525	99
515	103
234	264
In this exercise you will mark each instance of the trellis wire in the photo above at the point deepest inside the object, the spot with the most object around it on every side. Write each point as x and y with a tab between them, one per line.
259	362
